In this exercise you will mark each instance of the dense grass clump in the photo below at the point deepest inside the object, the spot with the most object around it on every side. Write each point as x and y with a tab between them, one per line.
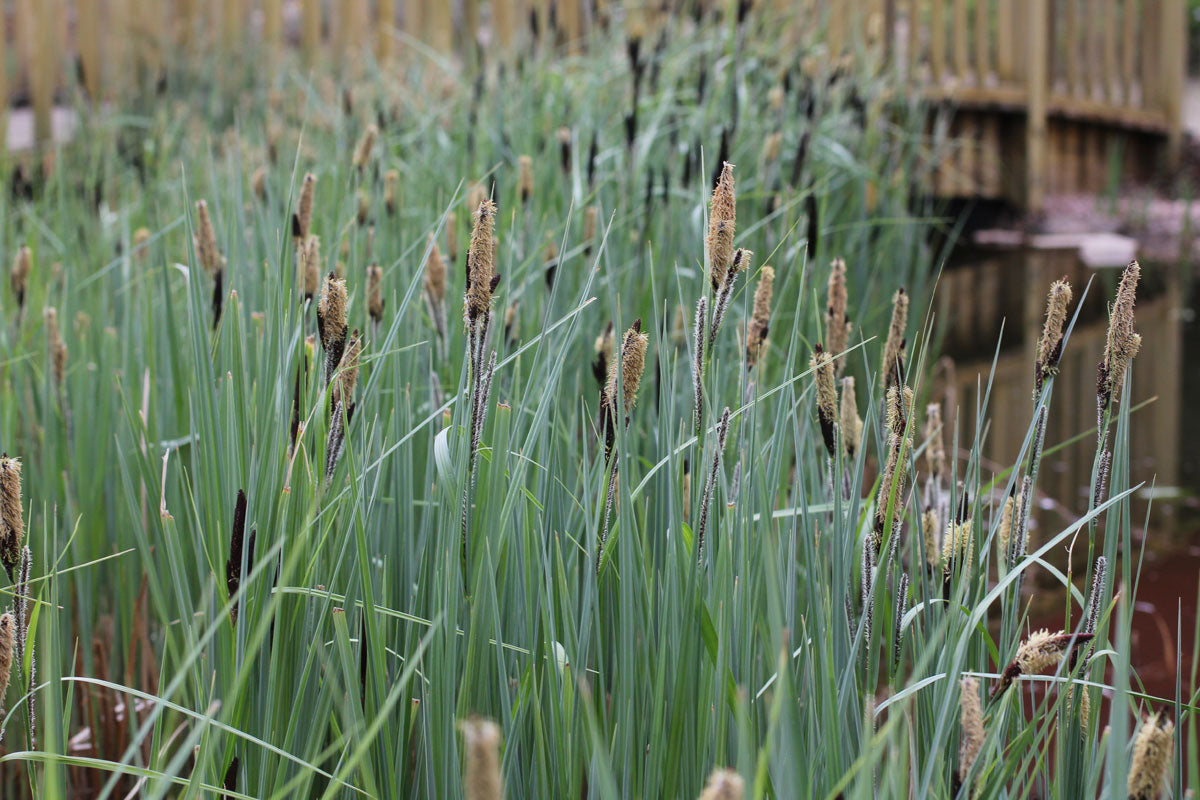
669	512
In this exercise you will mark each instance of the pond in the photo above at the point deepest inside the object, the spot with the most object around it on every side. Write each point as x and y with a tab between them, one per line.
983	292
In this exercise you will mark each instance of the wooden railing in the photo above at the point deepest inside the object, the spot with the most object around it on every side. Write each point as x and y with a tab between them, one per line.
1115	64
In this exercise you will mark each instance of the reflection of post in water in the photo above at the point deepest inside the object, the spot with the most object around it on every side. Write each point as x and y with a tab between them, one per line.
1008	291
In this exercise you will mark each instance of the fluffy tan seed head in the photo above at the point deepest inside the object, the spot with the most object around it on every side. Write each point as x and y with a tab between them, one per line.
58	348
304	209
362	152
331	308
19	277
827	410
1005	527
525	178
347	375
12	522
837	327
481	264
435	272
971	715
141	237
760	320
1041	651
1050	345
310	265
375	292
895	340
482	780
633	363
723	784
364	211
391	183
258	183
851	425
929	530
958	547
722	221
8	642
935	448
589	225
452	238
1122	343
206	241
1153	750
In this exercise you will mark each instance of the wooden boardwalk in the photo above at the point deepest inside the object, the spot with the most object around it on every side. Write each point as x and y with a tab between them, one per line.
1028	97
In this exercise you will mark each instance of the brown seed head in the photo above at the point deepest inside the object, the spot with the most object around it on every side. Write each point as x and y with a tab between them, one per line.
1153	750
12	522
771	147
482	780
347	375
364	211
391	183
362	152
525	178
721	224
481	264
258	183
589	225
435	273
305	206
58	348
141	238
1050	345
827	410
8	641
1005	527
1122	343
375	292
1041	651
958	547
19	277
633	363
723	784
206	240
837	327
851	425
760	320
971	714
310	265
331	308
935	448
929	530
892	350
452	238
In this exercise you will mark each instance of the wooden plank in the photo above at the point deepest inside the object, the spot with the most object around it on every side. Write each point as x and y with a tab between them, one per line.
982	41
1150	41
1005	57
1035	133
937	40
4	88
385	29
1174	67
310	29
470	31
568	17
41	70
503	22
231	24
88	34
990	183
1109	23
414	19
962	63
913	56
1129	26
273	22
1071	47
968	147
441	29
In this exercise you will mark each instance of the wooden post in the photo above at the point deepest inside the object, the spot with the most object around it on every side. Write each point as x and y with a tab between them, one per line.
1129	21
836	30
87	35
441	29
1036	87
1110	51
914	38
273	23
982	36
1004	41
568	17
1151	53
385	23
310	15
4	82
962	64
1174	68
502	21
1071	41
231	25
41	70
937	40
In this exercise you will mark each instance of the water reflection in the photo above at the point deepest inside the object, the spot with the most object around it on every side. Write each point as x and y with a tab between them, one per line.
984	292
